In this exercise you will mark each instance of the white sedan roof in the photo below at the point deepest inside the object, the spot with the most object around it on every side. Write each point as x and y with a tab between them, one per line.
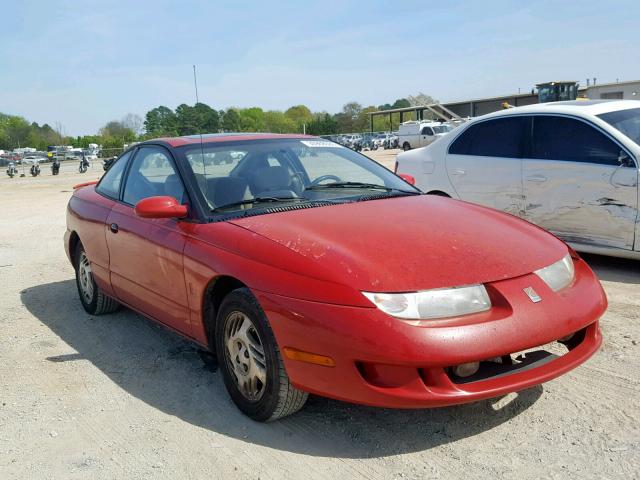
575	107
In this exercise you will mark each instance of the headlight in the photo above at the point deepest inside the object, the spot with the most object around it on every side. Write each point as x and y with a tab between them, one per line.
428	304
558	275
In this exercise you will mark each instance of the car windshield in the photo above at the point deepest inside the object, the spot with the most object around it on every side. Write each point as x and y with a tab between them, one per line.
258	174
625	121
442	128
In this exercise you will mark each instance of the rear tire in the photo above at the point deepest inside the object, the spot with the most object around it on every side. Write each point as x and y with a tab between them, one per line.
93	300
406	146
250	360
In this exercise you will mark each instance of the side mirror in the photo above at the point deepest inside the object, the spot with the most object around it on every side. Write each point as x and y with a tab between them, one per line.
410	179
624	160
160	207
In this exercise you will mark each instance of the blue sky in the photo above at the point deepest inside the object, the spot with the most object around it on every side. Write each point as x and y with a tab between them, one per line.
87	62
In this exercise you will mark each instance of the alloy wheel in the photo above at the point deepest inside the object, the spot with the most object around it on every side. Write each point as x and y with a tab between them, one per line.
86	280
245	356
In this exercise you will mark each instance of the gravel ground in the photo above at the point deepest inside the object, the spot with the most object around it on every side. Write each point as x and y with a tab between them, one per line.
120	397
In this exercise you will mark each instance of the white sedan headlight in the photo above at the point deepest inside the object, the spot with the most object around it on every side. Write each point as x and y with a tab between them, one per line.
429	304
558	275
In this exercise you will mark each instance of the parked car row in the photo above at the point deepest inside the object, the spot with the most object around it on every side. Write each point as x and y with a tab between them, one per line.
366	141
308	267
569	167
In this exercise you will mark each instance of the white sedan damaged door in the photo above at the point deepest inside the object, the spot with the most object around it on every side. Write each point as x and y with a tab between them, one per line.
580	184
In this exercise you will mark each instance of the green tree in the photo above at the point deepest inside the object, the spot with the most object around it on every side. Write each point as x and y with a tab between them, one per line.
186	120
349	118
401	103
252	119
160	122
322	124
17	129
278	122
117	129
208	118
300	115
231	121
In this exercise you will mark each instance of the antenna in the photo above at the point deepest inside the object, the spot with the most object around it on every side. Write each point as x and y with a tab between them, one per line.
195	82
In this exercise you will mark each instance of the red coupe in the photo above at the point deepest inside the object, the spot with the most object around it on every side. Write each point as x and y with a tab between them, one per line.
307	267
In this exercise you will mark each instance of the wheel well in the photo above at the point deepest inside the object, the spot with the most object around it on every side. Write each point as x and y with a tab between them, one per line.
439	193
215	292
74	240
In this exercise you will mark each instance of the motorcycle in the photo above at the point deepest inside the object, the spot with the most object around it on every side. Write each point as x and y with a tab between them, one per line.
35	170
84	165
356	145
55	167
107	162
367	144
391	142
12	170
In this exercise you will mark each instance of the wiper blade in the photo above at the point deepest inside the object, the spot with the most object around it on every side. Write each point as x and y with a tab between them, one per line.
368	186
257	200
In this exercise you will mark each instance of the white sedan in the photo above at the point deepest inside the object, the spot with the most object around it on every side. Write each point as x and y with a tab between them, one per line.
570	167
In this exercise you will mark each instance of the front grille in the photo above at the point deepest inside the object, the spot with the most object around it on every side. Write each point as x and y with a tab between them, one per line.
521	361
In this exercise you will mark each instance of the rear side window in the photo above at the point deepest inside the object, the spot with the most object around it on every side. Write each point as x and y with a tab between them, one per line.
427	131
561	138
111	180
502	137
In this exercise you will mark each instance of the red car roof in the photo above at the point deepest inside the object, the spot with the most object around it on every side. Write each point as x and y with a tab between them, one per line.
226	137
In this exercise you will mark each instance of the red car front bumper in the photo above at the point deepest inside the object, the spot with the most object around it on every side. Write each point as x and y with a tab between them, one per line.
384	361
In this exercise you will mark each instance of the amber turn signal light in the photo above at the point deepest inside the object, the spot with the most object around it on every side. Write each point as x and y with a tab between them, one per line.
294	354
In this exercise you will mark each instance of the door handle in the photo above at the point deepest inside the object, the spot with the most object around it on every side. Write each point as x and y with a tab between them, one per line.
113	227
537	178
458	171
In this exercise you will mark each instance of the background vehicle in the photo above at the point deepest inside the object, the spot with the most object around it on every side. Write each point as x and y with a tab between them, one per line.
84	165
557	91
352	141
34	169
390	141
570	167
107	162
12	170
286	264
416	134
55	167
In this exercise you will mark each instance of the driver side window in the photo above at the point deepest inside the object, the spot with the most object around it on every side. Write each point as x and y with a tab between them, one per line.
152	174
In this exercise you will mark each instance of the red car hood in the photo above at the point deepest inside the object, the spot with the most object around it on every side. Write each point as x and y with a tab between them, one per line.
410	243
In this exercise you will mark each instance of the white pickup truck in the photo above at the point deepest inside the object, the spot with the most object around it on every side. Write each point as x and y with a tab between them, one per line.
416	134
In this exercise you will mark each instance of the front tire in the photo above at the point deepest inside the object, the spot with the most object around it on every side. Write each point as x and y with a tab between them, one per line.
250	361
93	300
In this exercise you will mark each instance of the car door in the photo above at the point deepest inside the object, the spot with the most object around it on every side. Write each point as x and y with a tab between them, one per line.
93	234
576	186
484	163
426	136
145	263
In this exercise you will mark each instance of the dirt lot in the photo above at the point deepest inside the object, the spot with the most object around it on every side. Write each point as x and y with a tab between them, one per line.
119	397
